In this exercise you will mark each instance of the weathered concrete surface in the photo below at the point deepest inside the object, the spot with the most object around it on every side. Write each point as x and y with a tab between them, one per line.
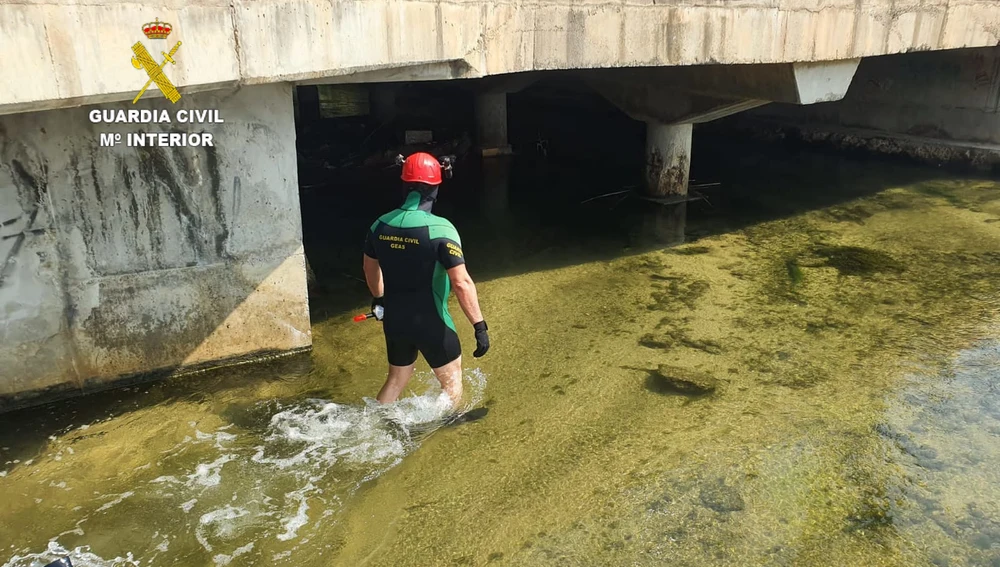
938	107
823	81
63	53
116	261
668	158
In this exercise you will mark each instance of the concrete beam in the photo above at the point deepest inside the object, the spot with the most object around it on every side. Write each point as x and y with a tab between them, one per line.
67	53
726	82
796	83
433	71
823	81
649	103
671	92
512	83
685	95
723	110
644	101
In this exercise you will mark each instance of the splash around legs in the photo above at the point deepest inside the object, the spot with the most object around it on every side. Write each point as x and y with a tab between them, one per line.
449	375
399	377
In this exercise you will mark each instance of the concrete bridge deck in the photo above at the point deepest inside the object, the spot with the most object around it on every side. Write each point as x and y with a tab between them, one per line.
66	53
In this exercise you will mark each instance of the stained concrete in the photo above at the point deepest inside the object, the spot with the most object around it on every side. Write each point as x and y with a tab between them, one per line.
117	261
63	53
668	158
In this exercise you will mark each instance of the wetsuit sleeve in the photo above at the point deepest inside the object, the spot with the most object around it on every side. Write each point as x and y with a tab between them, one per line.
447	244
449	253
370	242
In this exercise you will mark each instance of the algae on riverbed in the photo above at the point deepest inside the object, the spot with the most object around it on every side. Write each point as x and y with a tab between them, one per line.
809	369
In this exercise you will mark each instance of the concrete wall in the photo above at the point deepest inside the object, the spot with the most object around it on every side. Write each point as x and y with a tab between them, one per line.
62	52
948	99
117	261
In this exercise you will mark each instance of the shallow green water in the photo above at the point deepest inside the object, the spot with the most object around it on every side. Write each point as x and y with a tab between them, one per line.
846	310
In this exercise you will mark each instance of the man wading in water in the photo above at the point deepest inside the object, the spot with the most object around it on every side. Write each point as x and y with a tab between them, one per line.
412	259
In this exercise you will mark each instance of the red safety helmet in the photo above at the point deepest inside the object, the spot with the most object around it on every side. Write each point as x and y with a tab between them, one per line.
422	167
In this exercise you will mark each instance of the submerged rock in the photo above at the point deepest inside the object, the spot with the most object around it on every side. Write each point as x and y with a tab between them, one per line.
676	337
683	380
690	250
661	504
857	261
721	497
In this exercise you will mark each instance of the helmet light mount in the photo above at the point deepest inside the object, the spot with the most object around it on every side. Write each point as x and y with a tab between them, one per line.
446	162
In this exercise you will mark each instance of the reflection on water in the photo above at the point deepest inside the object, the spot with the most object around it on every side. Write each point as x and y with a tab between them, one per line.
813	379
942	429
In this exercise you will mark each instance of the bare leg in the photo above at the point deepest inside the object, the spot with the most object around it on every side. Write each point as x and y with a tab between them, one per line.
399	377
450	377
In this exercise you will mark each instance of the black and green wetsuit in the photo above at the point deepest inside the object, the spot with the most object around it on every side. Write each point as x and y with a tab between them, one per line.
414	249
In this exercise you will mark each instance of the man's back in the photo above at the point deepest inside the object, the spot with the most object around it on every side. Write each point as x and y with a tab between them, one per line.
415	248
412	259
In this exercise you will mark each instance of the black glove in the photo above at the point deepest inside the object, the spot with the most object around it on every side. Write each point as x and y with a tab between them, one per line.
482	339
377	308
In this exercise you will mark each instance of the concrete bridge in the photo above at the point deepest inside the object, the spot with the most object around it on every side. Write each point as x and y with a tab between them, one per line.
61	53
118	261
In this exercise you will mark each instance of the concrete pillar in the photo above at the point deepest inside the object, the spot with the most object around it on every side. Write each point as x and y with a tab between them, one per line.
668	158
383	102
308	103
124	261
664	225
496	197
491	123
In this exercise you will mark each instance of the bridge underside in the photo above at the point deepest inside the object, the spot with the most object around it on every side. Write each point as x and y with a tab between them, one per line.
670	100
